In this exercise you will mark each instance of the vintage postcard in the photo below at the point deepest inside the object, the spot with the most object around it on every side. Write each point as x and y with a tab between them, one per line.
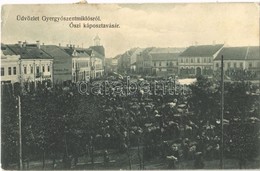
130	86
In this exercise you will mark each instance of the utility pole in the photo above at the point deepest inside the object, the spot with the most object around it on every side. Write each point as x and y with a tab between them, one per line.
20	133
77	71
34	76
222	112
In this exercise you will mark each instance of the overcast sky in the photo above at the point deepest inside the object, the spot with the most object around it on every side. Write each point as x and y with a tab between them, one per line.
166	25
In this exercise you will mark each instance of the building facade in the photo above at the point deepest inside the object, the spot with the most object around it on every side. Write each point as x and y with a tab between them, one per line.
158	61
144	62
10	66
239	62
115	62
34	65
33	70
37	62
127	61
86	64
108	64
165	61
62	63
198	60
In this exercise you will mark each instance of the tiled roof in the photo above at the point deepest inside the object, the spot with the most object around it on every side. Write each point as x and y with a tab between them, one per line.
30	51
81	52
54	51
253	53
201	50
167	50
68	50
232	53
164	56
6	50
239	53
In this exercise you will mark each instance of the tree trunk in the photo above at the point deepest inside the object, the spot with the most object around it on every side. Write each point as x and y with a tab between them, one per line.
92	157
54	162
143	158
129	158
139	155
43	159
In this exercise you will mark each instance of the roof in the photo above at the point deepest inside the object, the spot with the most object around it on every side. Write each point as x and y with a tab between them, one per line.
134	55
117	56
80	52
253	53
239	53
54	51
232	53
164	56
167	50
6	50
99	49
201	50
145	53
30	51
96	54
129	52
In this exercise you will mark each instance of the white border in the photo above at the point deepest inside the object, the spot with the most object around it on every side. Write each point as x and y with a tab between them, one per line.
116	1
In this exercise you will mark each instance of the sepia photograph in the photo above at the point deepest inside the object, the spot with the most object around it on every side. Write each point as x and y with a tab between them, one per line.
162	86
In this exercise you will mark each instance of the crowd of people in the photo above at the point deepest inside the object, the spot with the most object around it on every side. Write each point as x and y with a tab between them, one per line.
157	123
162	124
237	74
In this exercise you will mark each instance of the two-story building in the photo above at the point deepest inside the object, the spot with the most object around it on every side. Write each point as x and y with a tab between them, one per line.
114	63
86	63
62	63
127	61
236	60
10	66
198	60
144	62
35	64
165	61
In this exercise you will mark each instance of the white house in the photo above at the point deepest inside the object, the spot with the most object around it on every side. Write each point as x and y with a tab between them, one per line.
198	60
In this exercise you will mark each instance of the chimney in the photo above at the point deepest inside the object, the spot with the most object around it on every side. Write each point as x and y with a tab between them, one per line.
59	45
20	43
38	44
43	44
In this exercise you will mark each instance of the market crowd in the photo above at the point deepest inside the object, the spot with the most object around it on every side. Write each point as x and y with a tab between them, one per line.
176	127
